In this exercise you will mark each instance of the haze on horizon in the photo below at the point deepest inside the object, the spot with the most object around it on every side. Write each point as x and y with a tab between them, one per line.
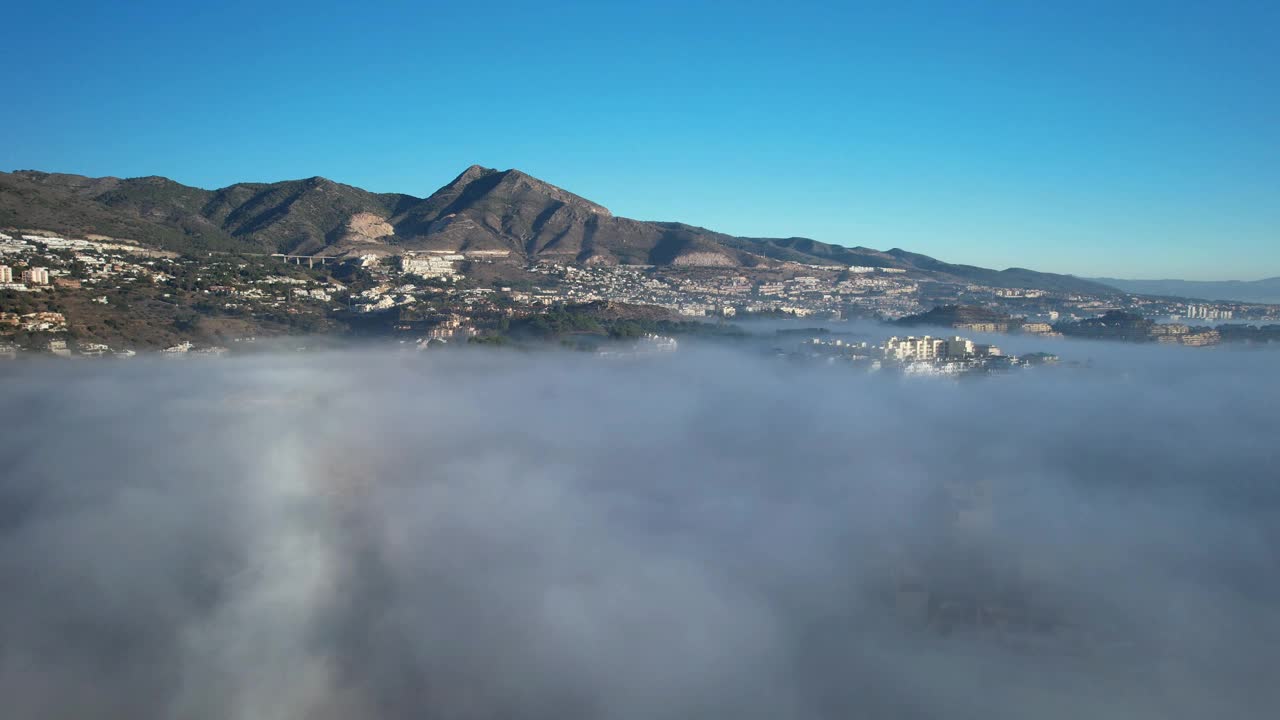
1136	142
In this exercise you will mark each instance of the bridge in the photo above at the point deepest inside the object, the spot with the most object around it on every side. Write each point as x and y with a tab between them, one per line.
297	259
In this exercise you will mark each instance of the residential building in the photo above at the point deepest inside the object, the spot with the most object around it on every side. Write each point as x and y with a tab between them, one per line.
35	276
914	348
430	265
42	321
1037	328
958	347
984	327
1208	312
1170	330
1202	338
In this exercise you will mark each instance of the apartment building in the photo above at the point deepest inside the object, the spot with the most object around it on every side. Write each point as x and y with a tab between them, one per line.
35	276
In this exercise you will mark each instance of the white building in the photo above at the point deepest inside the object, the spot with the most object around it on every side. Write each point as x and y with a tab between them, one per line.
6	274
429	266
914	348
1208	312
35	276
929	349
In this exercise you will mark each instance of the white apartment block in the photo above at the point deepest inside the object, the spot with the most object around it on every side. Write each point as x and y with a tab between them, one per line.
930	348
1208	312
914	348
433	265
35	276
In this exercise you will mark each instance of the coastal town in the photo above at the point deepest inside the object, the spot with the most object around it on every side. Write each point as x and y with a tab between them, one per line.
95	296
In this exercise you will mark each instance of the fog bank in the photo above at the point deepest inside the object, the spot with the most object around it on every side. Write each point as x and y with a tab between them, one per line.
525	535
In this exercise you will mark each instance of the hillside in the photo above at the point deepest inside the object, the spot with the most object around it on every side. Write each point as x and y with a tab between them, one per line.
955	316
1112	325
480	209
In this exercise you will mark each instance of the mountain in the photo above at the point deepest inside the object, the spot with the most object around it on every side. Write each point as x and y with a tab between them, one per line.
480	209
299	216
1256	291
486	209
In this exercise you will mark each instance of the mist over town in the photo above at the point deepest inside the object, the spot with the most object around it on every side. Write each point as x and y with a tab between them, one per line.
568	360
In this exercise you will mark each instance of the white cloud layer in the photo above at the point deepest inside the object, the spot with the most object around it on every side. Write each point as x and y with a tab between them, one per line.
464	535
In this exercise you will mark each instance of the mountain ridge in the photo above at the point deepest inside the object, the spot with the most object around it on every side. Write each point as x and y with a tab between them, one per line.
480	209
1266	290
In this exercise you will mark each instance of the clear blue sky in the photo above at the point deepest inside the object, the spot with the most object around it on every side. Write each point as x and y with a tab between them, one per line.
1136	139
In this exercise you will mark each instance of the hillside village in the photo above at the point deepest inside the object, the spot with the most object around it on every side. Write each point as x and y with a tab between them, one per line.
98	296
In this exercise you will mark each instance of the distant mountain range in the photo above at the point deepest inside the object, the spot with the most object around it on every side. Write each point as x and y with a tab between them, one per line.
1255	291
481	209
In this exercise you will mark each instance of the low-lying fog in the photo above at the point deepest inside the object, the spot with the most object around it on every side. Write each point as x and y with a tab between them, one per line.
704	535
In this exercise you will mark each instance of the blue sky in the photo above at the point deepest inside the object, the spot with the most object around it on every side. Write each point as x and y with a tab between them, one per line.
1137	139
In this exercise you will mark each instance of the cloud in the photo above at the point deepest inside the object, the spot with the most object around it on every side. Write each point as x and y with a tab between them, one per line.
466	535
